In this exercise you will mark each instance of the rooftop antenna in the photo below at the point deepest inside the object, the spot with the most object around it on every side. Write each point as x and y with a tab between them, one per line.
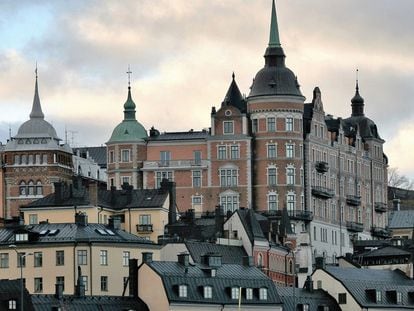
129	72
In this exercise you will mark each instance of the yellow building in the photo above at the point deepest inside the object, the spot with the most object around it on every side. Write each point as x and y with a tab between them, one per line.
52	253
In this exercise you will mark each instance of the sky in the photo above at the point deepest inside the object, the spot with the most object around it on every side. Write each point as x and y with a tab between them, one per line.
182	55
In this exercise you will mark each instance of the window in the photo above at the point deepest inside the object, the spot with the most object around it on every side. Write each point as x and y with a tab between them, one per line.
12	305
111	156
255	126
16	159
249	293
165	157
145	219
271	151
4	260
378	296
305	307
38	285
38	259
61	280
33	219
104	283
263	293
103	256
125	258
44	159
271	124
85	281
399	297
228	127
182	291
234	152
221	152
289	124
21	237
39	188
197	157
31	187
235	291
163	175
290	176
21	260
272	176
228	177
208	292
82	257
125	155
291	201
60	258
229	202
22	188
197	200
342	298
290	150
272	202
196	179
124	180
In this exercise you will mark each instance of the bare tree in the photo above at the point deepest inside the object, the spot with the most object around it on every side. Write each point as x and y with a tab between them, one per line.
395	179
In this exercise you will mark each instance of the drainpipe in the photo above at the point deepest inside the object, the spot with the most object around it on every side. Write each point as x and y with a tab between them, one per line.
90	267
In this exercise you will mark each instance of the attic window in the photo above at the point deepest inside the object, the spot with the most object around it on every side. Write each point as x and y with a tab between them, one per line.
378	296
110	232
12	305
399	297
235	291
263	293
101	232
208	292
182	291
53	232
21	237
43	232
249	293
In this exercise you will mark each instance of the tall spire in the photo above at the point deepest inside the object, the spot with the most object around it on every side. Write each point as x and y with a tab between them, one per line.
129	106
274	40
36	108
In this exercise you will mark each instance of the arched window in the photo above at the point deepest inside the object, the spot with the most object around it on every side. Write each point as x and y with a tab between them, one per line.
31	188
22	188
39	188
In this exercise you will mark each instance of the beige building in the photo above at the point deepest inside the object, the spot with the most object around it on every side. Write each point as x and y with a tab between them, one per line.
52	254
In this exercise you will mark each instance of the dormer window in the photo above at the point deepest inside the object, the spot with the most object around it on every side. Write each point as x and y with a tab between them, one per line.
263	293
208	292
19	237
182	291
249	293
378	296
235	291
12	305
399	297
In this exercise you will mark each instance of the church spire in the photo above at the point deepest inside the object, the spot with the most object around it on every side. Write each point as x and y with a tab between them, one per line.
274	40
129	106
36	108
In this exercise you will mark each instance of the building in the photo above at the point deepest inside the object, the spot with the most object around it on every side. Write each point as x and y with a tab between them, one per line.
90	162
33	160
210	285
59	253
10	296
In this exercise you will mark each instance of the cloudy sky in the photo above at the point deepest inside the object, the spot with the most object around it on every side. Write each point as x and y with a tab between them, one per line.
182	54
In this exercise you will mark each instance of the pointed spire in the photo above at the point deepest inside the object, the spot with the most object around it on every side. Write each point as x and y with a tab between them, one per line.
129	106
357	101
36	108
234	97
274	40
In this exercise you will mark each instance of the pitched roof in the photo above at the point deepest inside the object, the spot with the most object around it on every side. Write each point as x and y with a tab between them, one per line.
189	135
314	299
250	224
402	219
357	281
230	254
385	252
227	276
10	290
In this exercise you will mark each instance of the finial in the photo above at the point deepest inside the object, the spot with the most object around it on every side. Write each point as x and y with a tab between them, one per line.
36	70
233	76
357	86
129	72
274	40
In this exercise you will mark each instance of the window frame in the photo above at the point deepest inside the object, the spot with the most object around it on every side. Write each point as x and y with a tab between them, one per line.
60	258
125	155
82	257
289	124
38	259
228	127
103	257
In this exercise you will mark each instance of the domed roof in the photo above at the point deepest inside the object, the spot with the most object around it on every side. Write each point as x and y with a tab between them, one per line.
129	129
275	78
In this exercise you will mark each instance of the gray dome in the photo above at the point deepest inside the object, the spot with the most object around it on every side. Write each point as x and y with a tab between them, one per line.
36	128
367	127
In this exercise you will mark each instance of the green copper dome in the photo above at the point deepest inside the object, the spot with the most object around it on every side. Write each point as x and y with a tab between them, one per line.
129	129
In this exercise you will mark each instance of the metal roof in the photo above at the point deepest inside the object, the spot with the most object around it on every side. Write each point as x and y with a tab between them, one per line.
402	220
314	299
230	254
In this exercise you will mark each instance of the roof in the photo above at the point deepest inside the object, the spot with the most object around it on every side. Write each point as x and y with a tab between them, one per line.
70	232
98	154
314	299
402	220
88	303
229	254
189	135
387	251
357	281
10	290
201	229
227	276
251	224
234	97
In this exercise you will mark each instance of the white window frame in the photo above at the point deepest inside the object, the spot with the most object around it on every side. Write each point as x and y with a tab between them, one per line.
272	151
103	257
234	152
227	125
290	150
125	155
160	175
208	292
249	293
271	124
291	201
272	176
221	152
272	201
290	175
289	124
126	255
229	177
235	292
196	178
263	293
182	291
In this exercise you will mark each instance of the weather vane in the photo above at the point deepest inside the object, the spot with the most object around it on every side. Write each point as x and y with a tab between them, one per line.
129	72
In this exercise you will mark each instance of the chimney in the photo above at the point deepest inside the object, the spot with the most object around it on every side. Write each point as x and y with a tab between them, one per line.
396	204
81	219
80	287
146	257
58	192
93	193
320	263
169	186
59	291
248	261
190	215
308	284
184	259
133	278
114	223
113	192
219	220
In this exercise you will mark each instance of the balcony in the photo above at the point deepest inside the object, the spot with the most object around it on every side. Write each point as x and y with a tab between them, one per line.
144	228
353	200
150	165
293	214
380	232
354	226
322	192
321	167
380	207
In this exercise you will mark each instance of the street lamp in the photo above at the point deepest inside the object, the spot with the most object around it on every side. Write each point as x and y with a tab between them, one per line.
289	245
20	256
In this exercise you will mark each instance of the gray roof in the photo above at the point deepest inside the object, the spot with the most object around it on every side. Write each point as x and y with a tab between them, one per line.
98	154
69	233
227	276
189	135
229	254
314	299
251	224
387	251
357	281
402	220
88	303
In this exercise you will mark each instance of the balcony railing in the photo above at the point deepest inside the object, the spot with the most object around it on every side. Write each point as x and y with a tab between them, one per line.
380	207
322	192
175	164
380	232
321	167
354	226
353	200
293	214
144	228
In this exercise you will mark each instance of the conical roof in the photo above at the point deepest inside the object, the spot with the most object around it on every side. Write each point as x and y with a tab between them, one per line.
234	97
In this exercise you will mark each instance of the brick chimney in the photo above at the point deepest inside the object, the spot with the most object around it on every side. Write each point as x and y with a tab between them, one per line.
93	193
